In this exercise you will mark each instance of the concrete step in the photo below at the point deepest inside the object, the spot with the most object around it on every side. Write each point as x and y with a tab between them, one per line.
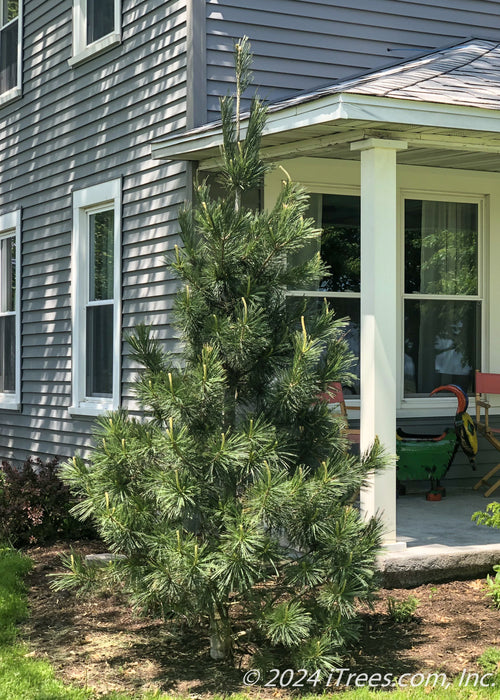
437	563
442	541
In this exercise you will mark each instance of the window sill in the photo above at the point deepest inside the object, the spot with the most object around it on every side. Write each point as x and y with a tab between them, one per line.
9	404
98	47
91	408
431	407
10	96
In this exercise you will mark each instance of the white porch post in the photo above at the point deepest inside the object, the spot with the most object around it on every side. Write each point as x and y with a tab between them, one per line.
378	351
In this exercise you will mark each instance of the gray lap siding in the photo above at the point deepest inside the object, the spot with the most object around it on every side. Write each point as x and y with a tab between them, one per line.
75	128
304	44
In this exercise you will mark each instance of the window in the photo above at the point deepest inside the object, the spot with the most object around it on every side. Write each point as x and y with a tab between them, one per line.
339	215
96	267
10	49
442	301
100	19
10	327
96	28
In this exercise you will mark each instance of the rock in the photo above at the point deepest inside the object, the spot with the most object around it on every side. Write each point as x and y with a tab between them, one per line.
102	559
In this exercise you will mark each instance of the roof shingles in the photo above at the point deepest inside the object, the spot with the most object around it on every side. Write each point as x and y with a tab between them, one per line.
467	74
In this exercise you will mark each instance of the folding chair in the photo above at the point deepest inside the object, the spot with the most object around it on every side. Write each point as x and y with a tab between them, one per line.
335	395
487	384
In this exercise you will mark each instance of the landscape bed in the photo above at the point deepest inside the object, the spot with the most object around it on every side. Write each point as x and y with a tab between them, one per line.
100	643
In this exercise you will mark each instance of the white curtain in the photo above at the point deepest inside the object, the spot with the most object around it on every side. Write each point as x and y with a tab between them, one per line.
448	265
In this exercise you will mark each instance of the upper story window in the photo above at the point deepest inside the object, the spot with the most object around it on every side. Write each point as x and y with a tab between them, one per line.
10	325
10	49
96	28
96	269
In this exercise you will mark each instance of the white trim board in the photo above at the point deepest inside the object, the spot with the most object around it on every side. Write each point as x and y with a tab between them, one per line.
10	225
93	199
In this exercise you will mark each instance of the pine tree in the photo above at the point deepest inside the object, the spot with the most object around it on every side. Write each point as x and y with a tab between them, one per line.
235	492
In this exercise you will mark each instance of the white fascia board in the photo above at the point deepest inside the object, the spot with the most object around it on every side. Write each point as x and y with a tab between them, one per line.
187	147
335	108
326	109
398	111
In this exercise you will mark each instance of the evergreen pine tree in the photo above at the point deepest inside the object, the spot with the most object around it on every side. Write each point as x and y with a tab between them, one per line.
235	492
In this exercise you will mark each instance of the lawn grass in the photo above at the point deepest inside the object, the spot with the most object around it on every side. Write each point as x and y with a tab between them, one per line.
25	678
21	677
453	692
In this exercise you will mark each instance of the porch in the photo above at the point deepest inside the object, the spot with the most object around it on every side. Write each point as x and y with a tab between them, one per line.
424	131
442	542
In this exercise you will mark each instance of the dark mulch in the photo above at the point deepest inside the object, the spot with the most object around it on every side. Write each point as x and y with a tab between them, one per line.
100	643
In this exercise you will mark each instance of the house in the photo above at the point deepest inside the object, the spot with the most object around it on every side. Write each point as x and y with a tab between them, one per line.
387	112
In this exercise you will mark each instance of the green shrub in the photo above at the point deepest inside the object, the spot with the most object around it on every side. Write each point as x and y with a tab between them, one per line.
490	516
35	504
234	496
493	587
402	610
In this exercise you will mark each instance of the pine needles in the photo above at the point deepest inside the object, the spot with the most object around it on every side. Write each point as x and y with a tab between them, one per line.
235	491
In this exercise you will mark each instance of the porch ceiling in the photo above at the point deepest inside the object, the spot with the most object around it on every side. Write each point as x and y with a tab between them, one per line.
445	105
427	146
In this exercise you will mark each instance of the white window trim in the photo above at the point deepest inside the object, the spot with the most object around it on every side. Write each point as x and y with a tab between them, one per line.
96	198
10	226
441	404
16	92
81	50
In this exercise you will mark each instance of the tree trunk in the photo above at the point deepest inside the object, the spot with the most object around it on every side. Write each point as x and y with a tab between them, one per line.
220	638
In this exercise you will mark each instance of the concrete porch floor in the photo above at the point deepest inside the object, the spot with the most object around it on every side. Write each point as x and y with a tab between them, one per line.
442	543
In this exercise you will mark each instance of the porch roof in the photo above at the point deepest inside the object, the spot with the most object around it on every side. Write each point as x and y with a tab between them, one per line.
445	105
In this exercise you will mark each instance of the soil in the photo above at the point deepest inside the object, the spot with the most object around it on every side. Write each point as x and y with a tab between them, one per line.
100	643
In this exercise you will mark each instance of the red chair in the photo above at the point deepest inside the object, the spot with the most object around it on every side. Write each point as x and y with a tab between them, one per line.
487	384
335	396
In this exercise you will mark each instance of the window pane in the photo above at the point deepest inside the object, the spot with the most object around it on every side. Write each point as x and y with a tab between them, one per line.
100	350
340	218
11	262
441	247
340	242
350	308
8	274
101	232
310	250
8	57
442	344
344	308
8	353
100	19
10	10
